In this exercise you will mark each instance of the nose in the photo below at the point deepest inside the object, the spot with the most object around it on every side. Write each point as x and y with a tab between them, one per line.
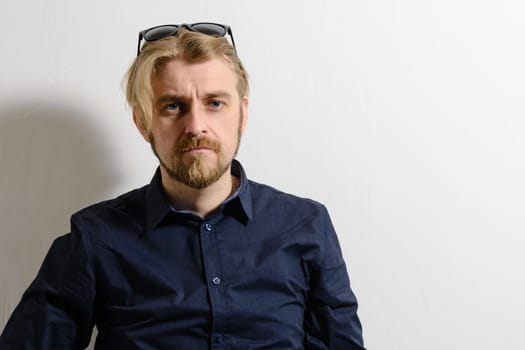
195	123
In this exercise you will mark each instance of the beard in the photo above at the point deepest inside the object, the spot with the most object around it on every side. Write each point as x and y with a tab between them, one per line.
196	174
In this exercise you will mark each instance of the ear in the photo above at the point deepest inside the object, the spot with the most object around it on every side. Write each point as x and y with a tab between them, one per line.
244	111
142	129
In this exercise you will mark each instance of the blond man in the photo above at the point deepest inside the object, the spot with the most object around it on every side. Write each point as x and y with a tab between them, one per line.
202	257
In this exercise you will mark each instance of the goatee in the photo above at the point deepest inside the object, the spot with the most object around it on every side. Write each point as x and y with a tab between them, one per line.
196	174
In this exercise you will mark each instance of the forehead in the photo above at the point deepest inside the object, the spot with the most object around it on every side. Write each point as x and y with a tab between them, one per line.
183	78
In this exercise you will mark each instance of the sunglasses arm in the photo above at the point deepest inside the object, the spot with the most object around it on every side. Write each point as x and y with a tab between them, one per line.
140	40
233	41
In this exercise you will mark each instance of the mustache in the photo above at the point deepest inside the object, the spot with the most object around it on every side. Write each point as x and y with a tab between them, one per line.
190	142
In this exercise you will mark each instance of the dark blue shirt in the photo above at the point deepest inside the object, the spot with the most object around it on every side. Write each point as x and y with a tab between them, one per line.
265	271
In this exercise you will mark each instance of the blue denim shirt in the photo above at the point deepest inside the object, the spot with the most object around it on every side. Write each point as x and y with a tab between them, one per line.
265	271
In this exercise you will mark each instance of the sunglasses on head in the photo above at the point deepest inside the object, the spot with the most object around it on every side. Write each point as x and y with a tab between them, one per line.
163	31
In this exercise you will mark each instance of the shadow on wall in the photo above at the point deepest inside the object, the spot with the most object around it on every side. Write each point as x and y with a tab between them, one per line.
54	161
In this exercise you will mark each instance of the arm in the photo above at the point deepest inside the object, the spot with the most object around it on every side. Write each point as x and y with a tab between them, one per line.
56	311
331	320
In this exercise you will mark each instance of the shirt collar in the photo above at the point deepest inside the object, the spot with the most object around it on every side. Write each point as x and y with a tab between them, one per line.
158	206
243	192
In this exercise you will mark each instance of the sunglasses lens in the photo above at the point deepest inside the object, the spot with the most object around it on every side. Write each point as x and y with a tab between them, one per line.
159	32
209	28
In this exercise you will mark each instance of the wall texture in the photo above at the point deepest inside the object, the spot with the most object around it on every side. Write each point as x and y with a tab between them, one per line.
404	117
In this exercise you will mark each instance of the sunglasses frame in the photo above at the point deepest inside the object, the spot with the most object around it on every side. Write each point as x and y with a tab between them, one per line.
227	31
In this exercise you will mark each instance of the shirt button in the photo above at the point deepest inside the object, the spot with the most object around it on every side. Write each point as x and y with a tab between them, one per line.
219	339
216	281
207	227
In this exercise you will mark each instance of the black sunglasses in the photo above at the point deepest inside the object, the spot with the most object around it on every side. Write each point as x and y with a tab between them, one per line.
163	31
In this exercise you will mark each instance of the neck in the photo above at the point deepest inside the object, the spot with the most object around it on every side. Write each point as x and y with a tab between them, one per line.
201	202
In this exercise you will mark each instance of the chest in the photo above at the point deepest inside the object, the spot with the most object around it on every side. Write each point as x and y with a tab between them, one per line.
211	274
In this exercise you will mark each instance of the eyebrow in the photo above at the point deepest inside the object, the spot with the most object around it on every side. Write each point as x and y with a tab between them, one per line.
209	95
219	93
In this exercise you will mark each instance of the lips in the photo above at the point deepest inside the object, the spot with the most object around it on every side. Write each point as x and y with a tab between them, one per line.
197	149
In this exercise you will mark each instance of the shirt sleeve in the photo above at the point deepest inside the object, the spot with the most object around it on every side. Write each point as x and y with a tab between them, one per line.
331	320
56	311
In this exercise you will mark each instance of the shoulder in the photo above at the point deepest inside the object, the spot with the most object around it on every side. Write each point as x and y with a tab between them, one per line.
265	193
268	200
125	208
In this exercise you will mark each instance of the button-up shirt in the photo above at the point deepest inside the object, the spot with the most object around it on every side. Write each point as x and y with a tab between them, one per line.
264	271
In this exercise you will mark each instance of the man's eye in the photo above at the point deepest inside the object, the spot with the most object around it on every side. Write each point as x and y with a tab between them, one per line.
172	106
216	104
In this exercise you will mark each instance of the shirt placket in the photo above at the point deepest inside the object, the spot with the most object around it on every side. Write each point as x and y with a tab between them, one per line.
215	283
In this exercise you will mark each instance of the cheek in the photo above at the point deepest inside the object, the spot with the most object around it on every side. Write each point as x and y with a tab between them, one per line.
232	139
165	133
163	142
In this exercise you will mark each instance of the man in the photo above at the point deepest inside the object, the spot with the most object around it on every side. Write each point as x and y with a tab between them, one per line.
202	257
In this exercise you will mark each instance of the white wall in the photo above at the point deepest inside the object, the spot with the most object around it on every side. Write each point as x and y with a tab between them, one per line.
405	117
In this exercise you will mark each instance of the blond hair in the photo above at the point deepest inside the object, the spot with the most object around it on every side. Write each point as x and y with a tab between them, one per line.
188	46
